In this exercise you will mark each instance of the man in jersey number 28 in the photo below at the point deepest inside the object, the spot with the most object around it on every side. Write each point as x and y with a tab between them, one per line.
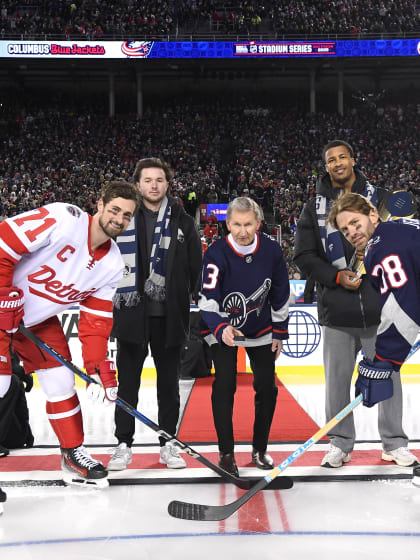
392	263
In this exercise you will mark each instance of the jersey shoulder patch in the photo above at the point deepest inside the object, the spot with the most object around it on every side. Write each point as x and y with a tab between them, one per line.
73	210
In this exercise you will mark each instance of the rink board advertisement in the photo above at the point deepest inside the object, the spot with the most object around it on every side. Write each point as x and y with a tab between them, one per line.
207	49
303	349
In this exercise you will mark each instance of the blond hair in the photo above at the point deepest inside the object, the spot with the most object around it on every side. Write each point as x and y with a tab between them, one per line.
350	202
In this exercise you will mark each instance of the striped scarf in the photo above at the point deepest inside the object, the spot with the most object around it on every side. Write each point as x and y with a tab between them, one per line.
127	293
154	286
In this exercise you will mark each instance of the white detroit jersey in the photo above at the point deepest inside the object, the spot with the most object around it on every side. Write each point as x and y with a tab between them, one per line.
46	253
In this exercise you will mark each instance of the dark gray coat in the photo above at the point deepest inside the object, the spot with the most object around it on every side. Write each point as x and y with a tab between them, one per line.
337	307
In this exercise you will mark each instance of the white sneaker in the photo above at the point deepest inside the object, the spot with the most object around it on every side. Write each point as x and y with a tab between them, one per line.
335	457
169	456
120	458
402	456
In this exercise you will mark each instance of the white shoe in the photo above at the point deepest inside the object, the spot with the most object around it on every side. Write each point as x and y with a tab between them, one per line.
169	456
121	457
402	456
335	457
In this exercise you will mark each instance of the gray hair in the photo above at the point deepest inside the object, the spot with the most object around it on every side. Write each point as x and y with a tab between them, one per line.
244	204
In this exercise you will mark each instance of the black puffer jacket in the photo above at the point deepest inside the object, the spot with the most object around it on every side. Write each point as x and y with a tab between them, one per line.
182	274
337	307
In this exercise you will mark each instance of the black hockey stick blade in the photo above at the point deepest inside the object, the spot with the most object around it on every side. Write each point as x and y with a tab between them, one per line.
199	512
243	483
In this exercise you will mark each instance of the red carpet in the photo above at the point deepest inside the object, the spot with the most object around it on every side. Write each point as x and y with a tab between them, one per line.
359	458
290	423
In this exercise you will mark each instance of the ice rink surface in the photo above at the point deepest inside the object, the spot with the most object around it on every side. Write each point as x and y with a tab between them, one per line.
313	520
369	520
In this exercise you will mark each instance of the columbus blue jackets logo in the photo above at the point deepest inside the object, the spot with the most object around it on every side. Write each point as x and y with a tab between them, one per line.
137	48
238	308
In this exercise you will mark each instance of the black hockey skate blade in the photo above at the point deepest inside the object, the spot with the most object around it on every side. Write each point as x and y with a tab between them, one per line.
99	483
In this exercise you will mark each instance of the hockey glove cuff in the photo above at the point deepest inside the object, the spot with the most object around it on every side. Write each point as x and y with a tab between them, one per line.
11	308
374	381
105	390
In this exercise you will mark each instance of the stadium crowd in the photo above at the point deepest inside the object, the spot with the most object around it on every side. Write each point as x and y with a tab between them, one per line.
218	152
102	19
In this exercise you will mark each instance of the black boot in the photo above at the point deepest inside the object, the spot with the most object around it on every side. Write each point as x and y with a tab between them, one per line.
262	460
228	463
4	451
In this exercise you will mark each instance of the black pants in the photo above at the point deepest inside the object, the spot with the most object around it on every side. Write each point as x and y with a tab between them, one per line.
224	388
130	360
15	431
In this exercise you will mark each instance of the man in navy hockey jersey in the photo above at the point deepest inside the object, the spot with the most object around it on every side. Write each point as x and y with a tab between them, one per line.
392	264
245	293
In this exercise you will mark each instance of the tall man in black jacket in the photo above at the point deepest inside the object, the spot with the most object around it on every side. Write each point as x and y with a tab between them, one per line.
162	255
348	307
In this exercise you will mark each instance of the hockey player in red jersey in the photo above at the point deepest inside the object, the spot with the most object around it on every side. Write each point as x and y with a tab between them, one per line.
52	258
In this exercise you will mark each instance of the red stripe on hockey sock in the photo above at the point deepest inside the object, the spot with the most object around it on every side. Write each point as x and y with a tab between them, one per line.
66	420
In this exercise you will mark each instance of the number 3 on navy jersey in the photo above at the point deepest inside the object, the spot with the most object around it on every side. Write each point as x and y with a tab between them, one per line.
393	273
212	276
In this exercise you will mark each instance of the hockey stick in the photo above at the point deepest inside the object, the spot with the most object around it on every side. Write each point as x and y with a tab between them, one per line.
414	349
284	483
198	512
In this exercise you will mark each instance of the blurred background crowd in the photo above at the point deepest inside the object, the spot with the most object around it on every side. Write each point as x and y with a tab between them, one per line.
56	149
218	152
99	19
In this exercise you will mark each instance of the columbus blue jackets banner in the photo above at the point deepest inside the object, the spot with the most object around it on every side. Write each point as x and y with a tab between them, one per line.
208	49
